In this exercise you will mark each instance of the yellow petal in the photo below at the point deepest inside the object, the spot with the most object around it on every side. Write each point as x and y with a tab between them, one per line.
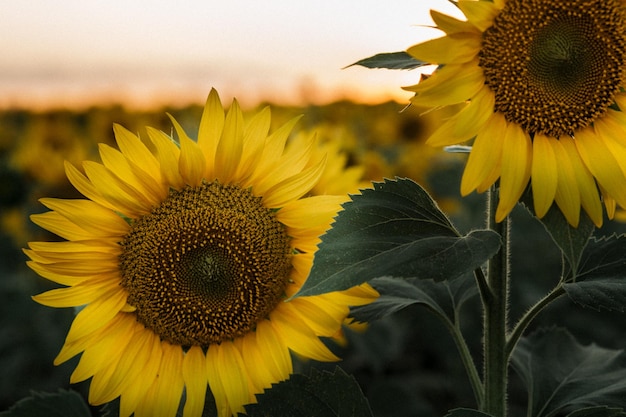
191	164
194	374
85	187
136	388
544	174
273	151
75	296
132	366
97	314
210	131
234	376
450	84
466	123
230	147
131	174
215	382
310	212
602	164
567	195
60	226
137	152
587	187
485	157
294	187
120	323
449	24
452	49
126	200
169	384
255	134
479	13
260	376
105	346
314	312
516	163
168	155
298	336
89	216
278	361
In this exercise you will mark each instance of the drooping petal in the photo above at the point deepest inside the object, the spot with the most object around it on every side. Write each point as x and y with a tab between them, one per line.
567	196
485	157
544	174
516	164
602	164
194	374
587	187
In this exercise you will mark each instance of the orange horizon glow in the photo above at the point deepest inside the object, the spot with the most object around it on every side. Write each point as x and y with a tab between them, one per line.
77	54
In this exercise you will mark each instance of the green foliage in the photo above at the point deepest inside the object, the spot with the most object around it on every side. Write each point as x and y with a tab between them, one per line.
442	298
601	281
395	229
60	404
570	240
561	374
323	394
391	60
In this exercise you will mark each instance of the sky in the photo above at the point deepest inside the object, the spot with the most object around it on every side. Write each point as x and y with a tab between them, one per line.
73	53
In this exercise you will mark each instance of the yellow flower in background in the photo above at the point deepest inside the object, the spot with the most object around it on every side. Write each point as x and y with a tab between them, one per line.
543	83
182	256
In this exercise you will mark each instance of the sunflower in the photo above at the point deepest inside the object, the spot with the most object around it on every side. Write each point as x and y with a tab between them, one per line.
180	259
542	83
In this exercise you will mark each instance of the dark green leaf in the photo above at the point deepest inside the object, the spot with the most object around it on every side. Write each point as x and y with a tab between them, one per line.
60	404
323	394
561	374
443	298
570	240
601	279
391	60
598	412
466	412
395	229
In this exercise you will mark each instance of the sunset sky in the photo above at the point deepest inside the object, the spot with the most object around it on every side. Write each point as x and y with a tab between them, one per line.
76	52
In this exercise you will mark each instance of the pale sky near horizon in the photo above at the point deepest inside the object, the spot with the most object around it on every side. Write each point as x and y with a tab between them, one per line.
77	52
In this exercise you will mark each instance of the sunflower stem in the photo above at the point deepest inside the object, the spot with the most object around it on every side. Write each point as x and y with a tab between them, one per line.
495	319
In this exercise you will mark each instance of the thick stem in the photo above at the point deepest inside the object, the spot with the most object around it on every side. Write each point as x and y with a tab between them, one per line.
495	319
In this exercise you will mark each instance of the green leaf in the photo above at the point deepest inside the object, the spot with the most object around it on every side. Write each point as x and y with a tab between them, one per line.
442	298
395	229
466	412
598	412
323	394
561	374
570	240
391	60
60	404
601	279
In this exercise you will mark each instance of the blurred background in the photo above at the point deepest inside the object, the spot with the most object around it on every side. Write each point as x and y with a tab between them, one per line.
70	69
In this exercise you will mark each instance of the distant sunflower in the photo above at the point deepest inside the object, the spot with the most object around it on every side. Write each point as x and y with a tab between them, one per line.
181	258
543	83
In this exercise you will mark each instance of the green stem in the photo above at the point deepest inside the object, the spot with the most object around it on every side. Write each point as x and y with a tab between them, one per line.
466	357
527	318
495	319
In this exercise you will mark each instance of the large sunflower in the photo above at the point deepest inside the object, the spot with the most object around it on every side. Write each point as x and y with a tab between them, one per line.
543	87
182	256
